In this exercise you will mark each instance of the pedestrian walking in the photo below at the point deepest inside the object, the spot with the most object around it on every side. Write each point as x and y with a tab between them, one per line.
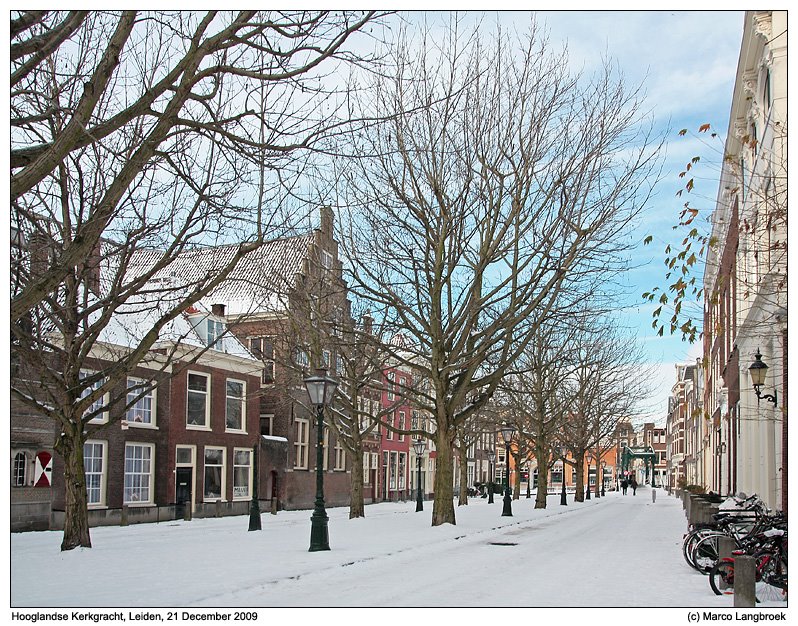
633	485
624	485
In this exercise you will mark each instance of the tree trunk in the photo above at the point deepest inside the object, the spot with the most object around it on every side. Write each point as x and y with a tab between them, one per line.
443	504
76	512
356	506
517	485
579	496
543	482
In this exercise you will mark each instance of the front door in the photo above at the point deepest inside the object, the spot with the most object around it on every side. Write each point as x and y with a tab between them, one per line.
183	485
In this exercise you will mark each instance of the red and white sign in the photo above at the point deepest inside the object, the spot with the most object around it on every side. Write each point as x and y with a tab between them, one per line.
44	469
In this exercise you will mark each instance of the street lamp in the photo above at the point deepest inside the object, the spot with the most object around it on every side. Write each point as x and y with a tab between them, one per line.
321	389
587	490
507	436
603	465
563	501
254	505
418	448
758	370
490	481
528	480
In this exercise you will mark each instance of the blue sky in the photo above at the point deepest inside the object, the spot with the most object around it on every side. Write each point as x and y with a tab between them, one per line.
687	61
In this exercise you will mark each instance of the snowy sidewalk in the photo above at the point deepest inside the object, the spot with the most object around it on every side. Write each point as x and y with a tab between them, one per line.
613	551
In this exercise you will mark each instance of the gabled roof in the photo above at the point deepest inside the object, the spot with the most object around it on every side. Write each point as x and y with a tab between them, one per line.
260	282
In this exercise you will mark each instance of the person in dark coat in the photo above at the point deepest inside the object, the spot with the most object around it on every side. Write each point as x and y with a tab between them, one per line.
633	485
624	485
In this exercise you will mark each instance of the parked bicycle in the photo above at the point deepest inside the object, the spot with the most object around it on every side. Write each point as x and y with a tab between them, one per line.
769	550
742	518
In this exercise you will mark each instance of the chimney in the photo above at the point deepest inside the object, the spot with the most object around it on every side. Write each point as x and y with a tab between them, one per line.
368	323
217	309
326	221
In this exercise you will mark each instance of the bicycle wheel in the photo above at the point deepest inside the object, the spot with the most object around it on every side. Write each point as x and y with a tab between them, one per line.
771	584
705	554
721	577
690	542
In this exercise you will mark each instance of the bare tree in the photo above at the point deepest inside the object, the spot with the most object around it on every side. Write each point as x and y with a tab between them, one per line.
137	138
500	186
604	388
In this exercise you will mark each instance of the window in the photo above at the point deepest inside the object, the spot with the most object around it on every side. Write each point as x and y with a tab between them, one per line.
96	406
402	470
138	473
391	383
340	456
143	411
94	468
389	420
214	332
266	424
326	260
184	455
198	404
325	359
301	444
401	425
242	473
235	409
301	357
339	365
263	348
214	473
20	469
393	471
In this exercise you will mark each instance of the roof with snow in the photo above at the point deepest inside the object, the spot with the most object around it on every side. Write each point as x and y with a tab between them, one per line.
260	282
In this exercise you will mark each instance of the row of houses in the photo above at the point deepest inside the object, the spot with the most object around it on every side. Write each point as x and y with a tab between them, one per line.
727	429
225	416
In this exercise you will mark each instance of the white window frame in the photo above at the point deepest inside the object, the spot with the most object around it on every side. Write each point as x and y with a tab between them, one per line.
326	260
242	401
147	472
402	424
340	456
18	468
391	378
301	356
214	333
103	473
269	417
223	475
256	347
151	396
206	425
236	452
101	418
301	435
401	470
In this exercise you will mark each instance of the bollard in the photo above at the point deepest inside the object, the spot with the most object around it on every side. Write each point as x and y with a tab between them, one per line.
124	515
653	495
274	506
744	581
218	508
725	547
187	511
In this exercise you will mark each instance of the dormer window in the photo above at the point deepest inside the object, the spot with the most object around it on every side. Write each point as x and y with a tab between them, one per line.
215	329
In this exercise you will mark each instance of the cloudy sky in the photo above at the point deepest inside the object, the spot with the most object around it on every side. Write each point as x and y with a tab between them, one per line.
686	62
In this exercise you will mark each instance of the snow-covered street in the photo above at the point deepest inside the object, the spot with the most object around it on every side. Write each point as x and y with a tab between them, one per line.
617	551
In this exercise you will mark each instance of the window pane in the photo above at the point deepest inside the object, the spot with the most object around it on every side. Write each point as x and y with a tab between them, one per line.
213	481
214	456
197	382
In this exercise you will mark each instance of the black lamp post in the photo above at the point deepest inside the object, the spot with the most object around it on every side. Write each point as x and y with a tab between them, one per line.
321	389
758	370
254	505
528	481
603	465
587	490
418	448
507	436
490	482
563	500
